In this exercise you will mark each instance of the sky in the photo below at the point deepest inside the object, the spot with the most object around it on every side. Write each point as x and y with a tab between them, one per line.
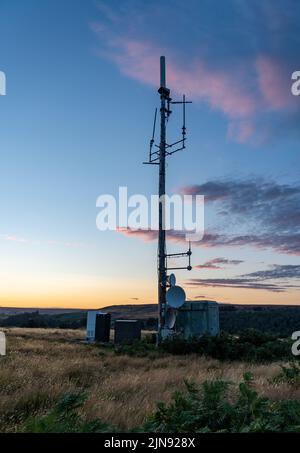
82	79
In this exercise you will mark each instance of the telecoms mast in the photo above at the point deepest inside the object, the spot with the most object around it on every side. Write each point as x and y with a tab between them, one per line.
157	156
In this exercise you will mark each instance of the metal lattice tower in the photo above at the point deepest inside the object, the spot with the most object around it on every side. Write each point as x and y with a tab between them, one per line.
158	156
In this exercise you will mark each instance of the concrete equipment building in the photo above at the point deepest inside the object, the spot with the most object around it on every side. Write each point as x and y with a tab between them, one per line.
198	318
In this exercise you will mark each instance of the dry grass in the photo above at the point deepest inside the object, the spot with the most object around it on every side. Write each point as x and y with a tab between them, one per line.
41	365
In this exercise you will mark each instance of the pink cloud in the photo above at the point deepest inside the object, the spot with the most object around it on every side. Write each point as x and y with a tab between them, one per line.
243	92
14	238
240	131
219	88
273	84
281	243
145	235
172	235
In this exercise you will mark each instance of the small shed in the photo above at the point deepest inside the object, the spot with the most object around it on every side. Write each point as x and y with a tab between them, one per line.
2	344
97	326
127	331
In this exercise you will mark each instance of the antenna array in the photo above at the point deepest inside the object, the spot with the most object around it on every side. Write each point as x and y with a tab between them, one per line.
157	156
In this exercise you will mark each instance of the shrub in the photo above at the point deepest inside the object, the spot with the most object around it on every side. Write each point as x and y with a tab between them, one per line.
141	348
191	411
64	418
194	411
289	374
250	345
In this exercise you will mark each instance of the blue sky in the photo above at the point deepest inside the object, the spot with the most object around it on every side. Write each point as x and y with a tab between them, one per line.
75	123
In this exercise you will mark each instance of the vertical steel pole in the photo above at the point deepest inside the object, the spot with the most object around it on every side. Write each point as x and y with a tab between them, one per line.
162	274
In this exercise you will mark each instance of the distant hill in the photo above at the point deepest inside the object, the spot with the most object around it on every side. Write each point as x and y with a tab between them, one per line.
132	310
281	320
42	311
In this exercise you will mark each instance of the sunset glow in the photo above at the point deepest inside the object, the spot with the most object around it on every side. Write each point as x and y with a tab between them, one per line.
76	120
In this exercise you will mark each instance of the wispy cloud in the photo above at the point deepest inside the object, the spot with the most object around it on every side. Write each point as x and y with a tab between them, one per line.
242	72
22	240
217	263
278	279
13	238
285	243
278	272
274	84
270	210
237	283
263	214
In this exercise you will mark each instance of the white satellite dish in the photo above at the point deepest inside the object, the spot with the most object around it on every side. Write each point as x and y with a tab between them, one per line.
170	318
175	297
172	280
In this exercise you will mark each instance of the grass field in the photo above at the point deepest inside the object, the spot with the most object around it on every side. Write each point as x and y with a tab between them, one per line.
42	365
